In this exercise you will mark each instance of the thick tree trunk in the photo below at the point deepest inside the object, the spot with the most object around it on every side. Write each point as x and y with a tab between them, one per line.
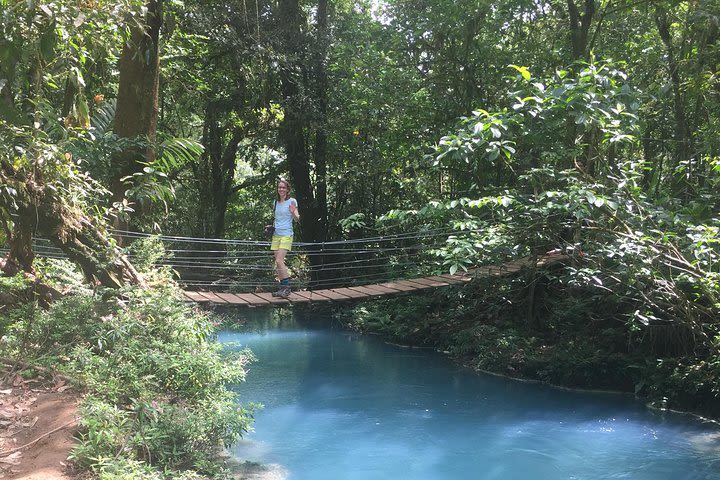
295	126
321	95
69	98
137	103
295	122
20	241
37	210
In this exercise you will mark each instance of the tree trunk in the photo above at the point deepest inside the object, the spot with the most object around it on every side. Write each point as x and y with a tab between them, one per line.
137	103
37	210
708	55
19	228
216	171
682	138
20	241
591	142
321	95
8	111
69	97
579	39
296	125
292	129
580	27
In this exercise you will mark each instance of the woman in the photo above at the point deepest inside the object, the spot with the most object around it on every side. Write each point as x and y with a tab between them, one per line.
286	211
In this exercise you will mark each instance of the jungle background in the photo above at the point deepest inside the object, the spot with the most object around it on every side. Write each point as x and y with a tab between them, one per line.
589	128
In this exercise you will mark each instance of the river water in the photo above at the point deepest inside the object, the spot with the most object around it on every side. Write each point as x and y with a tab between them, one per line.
343	406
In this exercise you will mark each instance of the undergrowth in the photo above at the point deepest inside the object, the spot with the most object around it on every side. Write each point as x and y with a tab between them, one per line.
157	406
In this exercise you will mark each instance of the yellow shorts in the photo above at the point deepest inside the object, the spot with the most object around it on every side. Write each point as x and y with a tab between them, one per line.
284	243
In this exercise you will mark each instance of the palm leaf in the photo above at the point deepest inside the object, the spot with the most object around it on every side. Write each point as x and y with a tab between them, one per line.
103	117
174	153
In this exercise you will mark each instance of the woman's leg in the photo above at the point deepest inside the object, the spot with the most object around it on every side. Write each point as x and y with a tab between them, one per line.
282	271
281	246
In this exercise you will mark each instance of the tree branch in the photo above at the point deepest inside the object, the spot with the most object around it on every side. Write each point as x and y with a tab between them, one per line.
254	181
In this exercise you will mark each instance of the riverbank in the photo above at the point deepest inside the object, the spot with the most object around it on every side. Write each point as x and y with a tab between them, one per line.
568	342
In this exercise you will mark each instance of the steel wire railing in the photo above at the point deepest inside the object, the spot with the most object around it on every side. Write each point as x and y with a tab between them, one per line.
247	266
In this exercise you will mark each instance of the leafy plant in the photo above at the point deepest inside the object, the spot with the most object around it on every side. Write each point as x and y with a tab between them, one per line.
156	380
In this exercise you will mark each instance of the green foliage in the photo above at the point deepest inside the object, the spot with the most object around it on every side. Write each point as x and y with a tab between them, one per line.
14	291
490	348
14	284
679	383
577	157
155	377
655	261
152	184
581	362
355	221
61	274
62	41
498	147
50	128
34	337
174	154
145	252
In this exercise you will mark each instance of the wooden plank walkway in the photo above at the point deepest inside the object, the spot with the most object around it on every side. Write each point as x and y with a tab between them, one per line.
365	291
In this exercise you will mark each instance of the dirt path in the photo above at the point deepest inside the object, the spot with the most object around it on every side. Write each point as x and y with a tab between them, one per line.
37	423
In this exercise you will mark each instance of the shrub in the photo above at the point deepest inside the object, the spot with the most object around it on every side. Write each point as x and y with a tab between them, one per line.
157	400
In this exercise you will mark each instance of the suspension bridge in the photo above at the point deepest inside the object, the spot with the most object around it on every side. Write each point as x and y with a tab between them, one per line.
241	272
366	291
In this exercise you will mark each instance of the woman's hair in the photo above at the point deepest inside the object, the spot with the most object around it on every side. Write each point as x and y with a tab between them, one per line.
287	192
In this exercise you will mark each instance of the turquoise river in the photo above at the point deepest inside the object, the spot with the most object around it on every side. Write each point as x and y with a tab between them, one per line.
344	406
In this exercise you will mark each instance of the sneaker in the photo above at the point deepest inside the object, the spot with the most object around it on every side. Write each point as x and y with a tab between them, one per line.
282	292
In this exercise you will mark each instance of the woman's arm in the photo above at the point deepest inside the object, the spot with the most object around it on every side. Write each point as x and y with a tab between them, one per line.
294	211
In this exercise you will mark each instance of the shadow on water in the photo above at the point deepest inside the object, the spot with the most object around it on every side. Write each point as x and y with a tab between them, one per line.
339	405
